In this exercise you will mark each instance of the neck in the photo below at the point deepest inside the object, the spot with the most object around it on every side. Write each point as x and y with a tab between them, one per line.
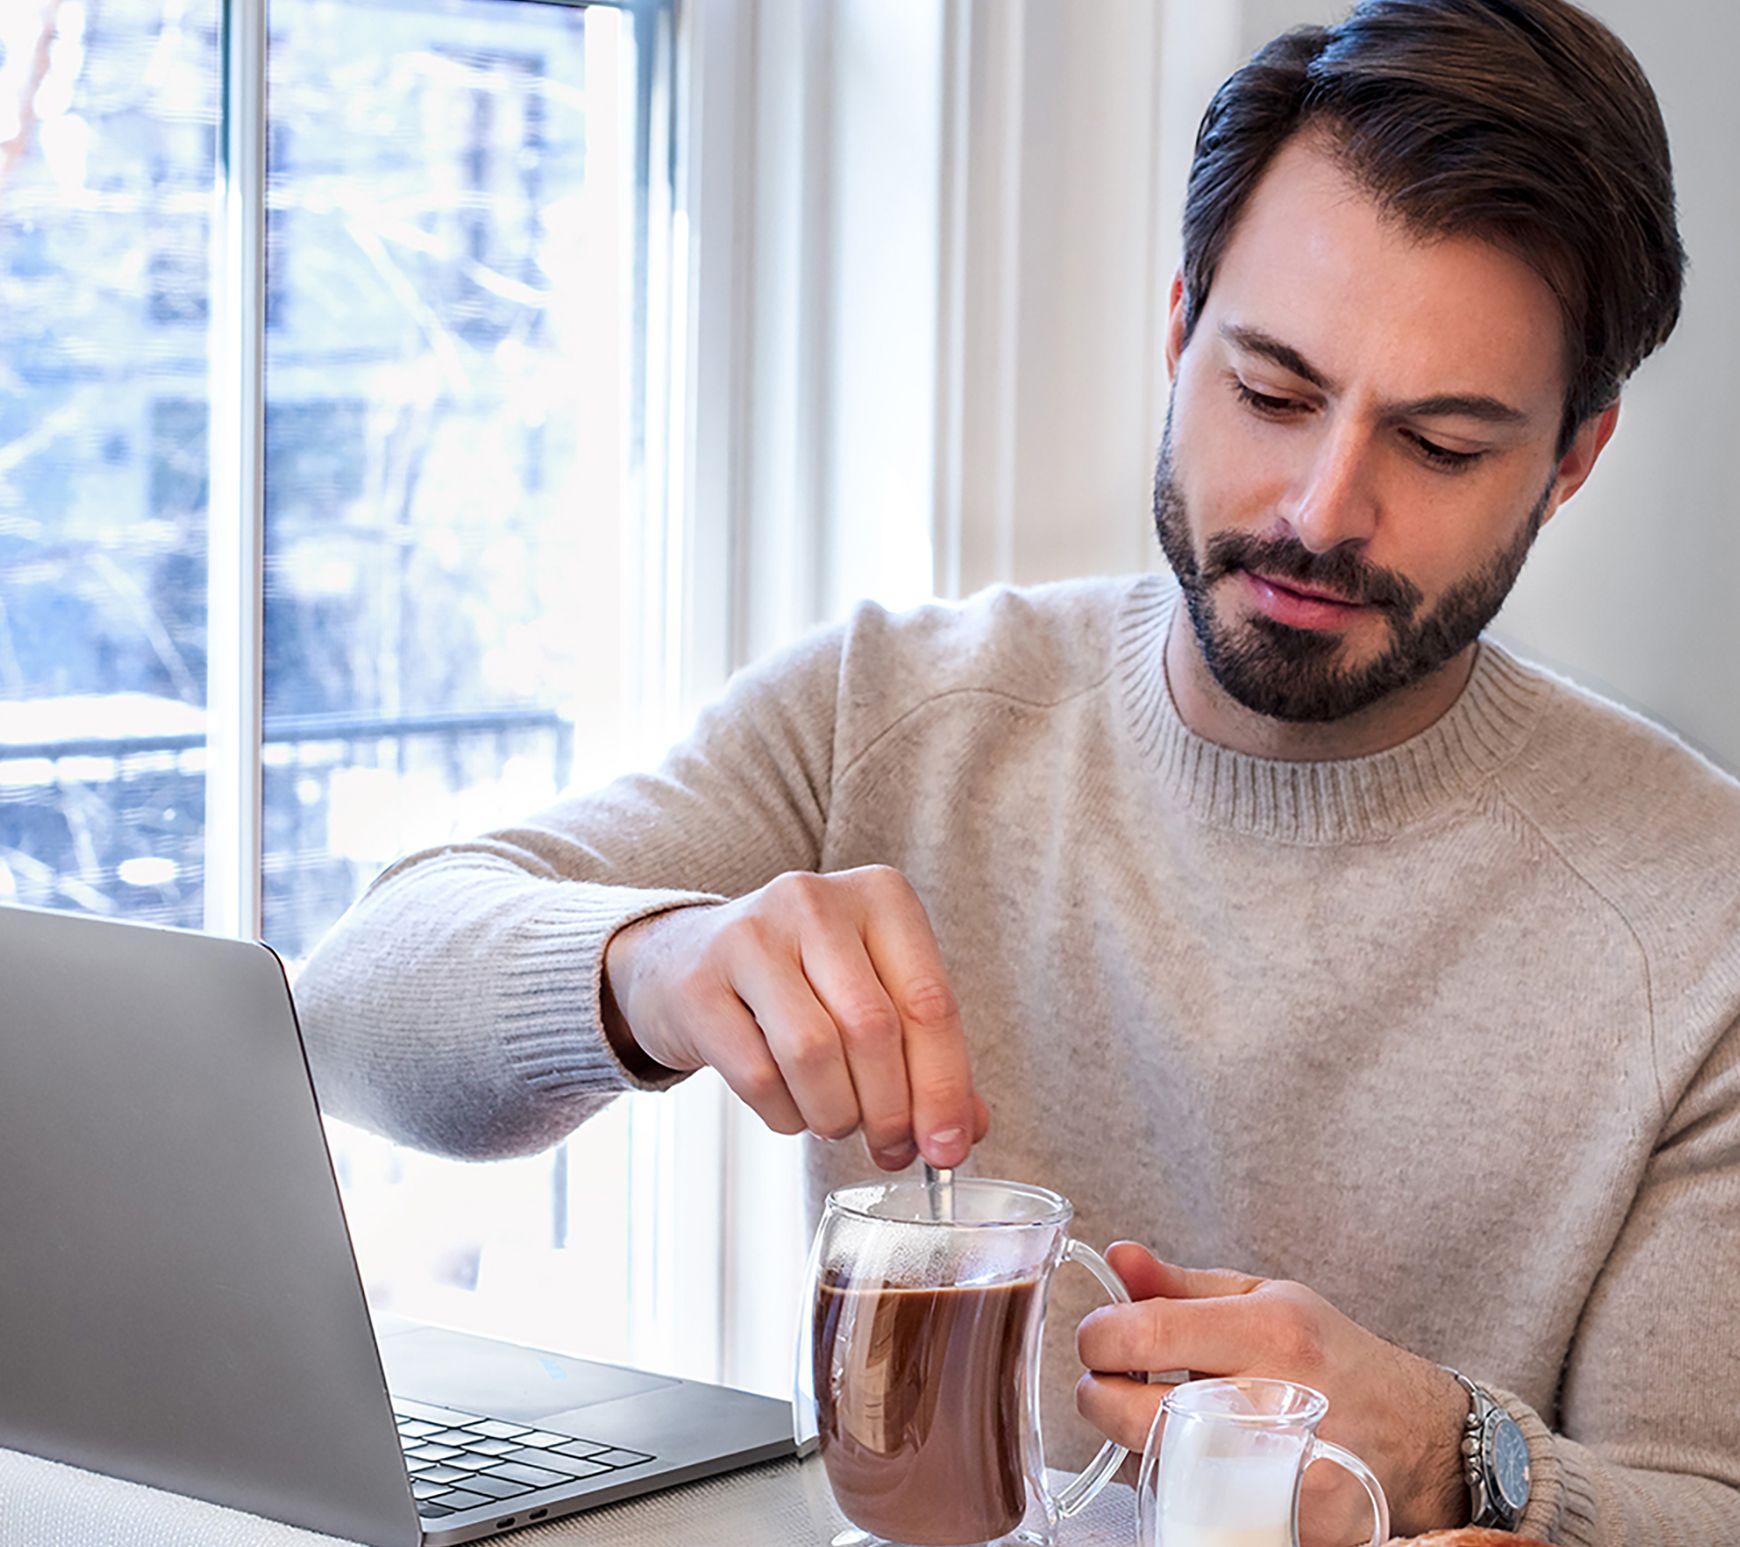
1209	711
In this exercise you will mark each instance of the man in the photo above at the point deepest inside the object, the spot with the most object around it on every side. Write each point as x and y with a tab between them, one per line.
1295	927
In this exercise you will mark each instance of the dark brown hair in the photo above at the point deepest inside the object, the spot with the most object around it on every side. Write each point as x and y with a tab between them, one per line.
1524	122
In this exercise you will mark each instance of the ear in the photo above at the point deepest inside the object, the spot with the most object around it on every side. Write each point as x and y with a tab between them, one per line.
1175	325
1579	462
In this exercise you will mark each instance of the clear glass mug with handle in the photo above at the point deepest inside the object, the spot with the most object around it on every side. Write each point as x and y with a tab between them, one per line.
1224	1461
918	1362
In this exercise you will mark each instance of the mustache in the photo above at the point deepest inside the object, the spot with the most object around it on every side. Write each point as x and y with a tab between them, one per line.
1340	570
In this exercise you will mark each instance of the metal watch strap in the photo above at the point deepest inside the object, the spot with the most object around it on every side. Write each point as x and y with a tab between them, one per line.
1484	1507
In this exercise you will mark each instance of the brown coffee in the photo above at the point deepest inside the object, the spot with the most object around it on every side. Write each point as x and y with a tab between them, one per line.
919	1397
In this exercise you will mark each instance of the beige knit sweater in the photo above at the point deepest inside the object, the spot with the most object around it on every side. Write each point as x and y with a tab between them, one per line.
1450	1033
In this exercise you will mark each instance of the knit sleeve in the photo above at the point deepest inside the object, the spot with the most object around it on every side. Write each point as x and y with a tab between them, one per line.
455	1007
1648	1448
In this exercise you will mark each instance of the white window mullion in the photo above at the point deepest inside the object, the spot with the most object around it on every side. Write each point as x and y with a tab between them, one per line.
235	587
709	289
979	285
684	573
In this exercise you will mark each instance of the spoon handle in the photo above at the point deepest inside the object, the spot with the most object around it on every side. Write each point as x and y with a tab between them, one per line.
939	1186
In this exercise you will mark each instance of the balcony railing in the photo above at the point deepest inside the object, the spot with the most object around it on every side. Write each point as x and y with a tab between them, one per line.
115	824
311	727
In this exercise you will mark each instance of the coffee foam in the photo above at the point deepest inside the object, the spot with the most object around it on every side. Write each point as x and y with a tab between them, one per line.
923	1254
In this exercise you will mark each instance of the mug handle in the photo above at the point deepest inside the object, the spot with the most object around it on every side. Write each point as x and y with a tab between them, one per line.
1323	1450
1098	1472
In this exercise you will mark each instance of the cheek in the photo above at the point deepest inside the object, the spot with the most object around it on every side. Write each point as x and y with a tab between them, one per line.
1424	544
1438	538
1230	473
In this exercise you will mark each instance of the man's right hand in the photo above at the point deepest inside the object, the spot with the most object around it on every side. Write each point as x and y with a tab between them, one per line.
822	1002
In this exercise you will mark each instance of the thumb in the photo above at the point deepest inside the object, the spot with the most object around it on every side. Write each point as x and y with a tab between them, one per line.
1148	1278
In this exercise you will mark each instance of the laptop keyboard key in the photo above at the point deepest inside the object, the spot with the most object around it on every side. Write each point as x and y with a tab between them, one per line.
535	1476
460	1499
620	1458
431	1511
555	1461
469	1463
496	1487
427	1452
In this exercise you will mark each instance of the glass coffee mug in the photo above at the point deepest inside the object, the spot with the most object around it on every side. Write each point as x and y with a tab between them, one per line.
1224	1461
918	1362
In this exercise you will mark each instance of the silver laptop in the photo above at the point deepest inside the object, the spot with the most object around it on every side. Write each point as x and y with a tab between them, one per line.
178	1300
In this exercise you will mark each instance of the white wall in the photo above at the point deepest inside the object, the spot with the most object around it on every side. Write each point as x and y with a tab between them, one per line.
1633	586
1053	389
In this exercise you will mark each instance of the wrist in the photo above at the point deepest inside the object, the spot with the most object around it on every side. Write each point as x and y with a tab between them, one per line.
1439	1496
621	952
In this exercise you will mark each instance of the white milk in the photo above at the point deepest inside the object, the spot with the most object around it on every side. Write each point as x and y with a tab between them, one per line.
1208	1500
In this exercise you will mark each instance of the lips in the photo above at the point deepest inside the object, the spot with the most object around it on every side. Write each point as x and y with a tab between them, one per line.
1305	591
1300	609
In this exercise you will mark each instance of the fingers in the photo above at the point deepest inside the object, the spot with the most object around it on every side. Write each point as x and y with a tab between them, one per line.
740	1053
839	980
1147	1277
1143	1273
1120	1408
804	1041
901	947
1215	1336
869	1033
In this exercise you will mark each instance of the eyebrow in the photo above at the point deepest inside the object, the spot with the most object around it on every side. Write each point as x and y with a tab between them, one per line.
1443	405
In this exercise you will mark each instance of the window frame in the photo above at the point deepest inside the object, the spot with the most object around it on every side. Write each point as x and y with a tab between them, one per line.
236	551
685	603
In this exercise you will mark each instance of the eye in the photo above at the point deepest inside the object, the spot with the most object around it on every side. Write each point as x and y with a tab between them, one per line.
1263	403
1441	456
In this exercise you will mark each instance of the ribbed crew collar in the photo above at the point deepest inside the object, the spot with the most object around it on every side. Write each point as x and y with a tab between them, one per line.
1352	800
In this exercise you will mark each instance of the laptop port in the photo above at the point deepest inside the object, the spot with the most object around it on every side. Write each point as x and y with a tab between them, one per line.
537	1514
502	1525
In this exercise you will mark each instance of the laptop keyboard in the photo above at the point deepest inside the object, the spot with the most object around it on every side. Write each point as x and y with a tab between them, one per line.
476	1461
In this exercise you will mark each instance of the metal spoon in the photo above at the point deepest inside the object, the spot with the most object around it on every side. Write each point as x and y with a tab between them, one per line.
939	1187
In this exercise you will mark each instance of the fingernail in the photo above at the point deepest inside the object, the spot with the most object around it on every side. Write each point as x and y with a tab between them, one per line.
897	1157
947	1138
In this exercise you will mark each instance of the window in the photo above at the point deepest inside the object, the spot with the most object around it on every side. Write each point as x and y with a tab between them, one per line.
446	436
108	119
463	216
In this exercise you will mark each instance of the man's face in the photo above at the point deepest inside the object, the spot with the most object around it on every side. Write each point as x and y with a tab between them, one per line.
1360	448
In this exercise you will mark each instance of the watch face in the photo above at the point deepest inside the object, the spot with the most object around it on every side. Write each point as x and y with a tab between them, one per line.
1507	1457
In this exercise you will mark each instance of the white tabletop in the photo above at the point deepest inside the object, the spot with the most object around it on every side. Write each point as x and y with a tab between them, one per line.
782	1504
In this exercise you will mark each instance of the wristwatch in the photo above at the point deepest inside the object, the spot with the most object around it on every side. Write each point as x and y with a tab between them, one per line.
1495	1460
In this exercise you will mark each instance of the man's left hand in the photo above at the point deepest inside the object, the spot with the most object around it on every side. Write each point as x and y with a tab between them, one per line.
1401	1414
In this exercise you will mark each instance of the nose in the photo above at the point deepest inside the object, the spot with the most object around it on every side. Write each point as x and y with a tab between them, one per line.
1334	502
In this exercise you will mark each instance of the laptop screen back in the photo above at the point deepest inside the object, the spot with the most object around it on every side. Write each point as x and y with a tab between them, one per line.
179	1304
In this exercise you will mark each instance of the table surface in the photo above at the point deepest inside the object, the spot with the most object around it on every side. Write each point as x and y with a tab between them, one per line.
781	1504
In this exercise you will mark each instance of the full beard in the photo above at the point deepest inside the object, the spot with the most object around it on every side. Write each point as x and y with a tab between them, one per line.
1296	674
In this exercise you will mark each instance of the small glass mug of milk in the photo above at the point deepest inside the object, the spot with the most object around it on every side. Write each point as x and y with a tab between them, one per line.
1224	1461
